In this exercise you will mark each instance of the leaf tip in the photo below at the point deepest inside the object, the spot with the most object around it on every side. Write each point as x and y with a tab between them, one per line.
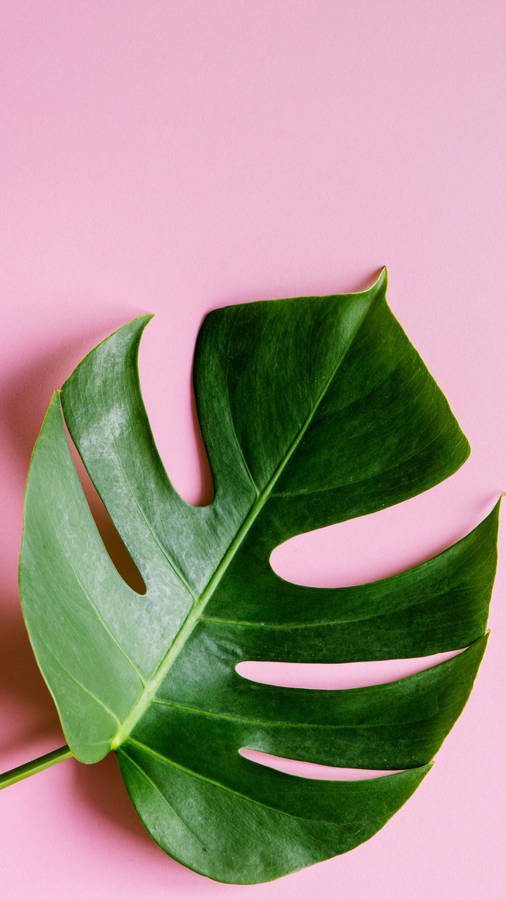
381	281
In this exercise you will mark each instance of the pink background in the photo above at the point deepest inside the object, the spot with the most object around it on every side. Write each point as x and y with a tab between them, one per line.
175	156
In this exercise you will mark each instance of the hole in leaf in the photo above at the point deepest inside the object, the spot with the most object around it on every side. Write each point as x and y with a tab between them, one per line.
312	770
174	422
378	545
112	541
338	676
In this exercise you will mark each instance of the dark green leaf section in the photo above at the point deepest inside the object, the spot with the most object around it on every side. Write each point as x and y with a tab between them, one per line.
274	825
439	605
387	726
334	412
313	411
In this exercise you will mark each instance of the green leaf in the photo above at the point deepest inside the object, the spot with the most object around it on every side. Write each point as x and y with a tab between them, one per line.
313	411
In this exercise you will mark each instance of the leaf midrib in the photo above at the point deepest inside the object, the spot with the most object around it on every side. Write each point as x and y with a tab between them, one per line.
193	617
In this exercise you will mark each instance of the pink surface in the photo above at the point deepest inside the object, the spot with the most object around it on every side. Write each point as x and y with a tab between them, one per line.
175	156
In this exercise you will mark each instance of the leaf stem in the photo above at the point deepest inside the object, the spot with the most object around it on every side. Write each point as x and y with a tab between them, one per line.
34	766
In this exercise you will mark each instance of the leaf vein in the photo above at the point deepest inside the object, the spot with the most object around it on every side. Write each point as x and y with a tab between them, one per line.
225	787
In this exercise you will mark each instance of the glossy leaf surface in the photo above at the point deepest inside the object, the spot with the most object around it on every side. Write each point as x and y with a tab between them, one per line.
313	411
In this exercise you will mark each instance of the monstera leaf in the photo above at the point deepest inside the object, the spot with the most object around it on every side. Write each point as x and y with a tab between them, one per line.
313	411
